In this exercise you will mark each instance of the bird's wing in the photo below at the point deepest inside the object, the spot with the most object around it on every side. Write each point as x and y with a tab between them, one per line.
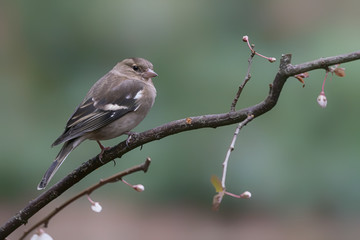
98	111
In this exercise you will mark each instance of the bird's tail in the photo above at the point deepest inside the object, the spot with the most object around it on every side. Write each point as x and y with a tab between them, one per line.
62	155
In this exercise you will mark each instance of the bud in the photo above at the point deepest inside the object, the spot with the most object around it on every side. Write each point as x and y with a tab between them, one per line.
246	195
272	59
302	75
321	99
41	235
245	38
139	187
339	71
96	207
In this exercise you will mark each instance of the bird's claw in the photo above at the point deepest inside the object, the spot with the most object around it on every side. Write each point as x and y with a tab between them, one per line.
128	140
103	149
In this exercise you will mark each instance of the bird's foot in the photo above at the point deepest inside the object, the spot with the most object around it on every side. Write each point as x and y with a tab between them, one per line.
103	149
130	135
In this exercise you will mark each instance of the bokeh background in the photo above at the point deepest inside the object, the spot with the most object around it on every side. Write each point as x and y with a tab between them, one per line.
300	162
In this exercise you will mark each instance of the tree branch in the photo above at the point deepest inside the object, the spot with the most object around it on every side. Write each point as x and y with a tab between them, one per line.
142	167
285	71
232	147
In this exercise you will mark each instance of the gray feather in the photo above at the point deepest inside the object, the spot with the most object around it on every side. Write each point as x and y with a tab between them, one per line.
62	155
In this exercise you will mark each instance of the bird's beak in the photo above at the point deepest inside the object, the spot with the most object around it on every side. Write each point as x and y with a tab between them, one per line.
149	73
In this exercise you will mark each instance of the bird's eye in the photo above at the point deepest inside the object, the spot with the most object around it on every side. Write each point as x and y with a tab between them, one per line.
135	67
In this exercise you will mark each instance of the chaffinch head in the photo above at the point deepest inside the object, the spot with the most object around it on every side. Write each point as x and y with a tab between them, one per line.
114	105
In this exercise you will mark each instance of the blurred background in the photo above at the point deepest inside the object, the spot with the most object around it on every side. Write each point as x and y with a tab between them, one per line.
300	162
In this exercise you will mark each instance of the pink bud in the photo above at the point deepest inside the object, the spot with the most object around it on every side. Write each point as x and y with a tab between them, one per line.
41	235
139	187
321	99
245	38
96	207
272	59
246	195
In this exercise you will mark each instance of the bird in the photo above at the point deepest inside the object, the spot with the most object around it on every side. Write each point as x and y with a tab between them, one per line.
114	105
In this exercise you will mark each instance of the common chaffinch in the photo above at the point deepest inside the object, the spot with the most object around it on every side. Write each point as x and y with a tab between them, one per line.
114	105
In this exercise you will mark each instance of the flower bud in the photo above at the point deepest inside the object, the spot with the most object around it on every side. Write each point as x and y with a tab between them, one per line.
139	187
246	195
245	38
41	235
96	207
321	99
339	71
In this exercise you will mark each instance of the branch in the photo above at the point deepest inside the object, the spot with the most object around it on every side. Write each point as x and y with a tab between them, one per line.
142	167
285	71
246	79
232	147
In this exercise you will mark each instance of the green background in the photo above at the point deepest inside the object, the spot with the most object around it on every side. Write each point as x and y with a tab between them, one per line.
300	162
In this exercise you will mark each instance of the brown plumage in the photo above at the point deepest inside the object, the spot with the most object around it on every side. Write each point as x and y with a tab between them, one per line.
114	105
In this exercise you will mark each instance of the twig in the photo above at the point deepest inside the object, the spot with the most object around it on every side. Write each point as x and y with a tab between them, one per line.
232	147
142	167
246	39
246	79
248	75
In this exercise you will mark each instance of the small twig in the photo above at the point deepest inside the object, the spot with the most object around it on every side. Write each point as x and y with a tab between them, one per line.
248	75
246	79
142	167
246	39
232	147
